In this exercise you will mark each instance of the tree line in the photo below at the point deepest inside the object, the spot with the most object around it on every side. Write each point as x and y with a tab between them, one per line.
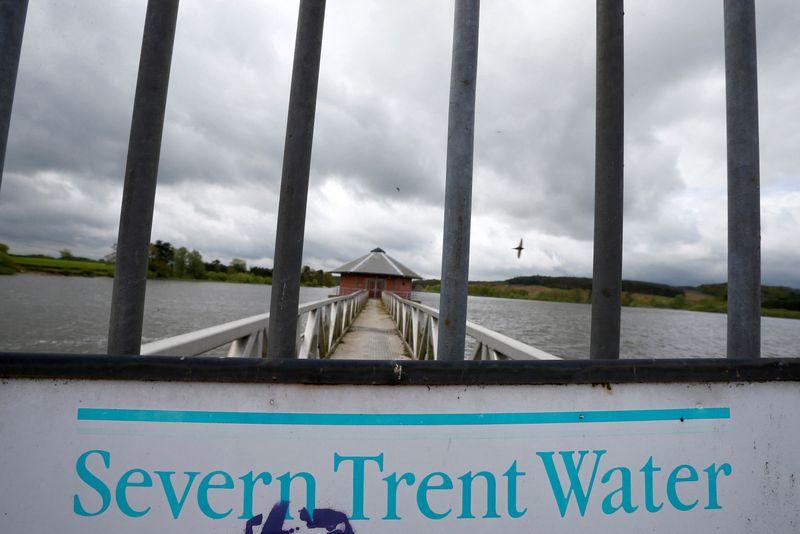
634	293
783	297
572	282
166	261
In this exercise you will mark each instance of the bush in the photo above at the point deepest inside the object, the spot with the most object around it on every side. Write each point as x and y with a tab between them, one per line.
489	290
7	265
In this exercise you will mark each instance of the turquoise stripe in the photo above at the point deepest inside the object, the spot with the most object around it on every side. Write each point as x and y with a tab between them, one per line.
399	419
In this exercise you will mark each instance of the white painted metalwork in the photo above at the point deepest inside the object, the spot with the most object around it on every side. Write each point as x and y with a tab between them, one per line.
419	327
326	322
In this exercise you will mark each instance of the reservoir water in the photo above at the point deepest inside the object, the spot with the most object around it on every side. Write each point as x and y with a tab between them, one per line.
70	314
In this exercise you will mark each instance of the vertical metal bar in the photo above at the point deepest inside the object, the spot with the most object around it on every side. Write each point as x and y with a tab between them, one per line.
458	188
12	26
141	173
609	128
744	220
294	180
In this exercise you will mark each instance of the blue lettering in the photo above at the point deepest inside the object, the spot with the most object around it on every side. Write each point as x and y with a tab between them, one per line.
512	474
93	482
311	490
124	483
713	473
247	498
202	493
391	493
175	505
466	494
672	482
648	469
575	484
358	479
624	491
422	494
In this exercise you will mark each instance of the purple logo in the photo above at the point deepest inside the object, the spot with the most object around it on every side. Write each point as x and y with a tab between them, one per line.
332	521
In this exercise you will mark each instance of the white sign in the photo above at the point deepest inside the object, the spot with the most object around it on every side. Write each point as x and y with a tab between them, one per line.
132	457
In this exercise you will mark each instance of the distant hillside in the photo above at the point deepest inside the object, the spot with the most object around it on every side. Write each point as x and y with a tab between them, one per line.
776	301
564	282
571	282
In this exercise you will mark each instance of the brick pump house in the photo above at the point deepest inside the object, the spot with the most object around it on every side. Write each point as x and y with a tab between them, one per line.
376	272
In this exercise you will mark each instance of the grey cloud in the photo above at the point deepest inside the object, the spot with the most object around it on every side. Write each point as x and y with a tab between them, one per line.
382	124
359	143
44	214
75	89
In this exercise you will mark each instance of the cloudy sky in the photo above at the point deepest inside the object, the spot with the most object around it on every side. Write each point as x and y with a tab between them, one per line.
382	125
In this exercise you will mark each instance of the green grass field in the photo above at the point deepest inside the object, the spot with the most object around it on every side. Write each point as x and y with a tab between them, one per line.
64	267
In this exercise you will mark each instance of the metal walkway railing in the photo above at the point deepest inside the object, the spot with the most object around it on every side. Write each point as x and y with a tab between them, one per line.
322	324
325	324
419	327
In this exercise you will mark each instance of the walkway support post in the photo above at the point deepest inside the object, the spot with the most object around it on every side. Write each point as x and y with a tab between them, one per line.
609	130
744	218
458	188
290	230
141	173
12	26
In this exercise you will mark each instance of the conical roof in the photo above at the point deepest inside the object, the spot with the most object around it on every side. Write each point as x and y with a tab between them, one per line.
377	262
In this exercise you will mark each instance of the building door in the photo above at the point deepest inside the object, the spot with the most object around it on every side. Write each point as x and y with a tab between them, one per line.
375	286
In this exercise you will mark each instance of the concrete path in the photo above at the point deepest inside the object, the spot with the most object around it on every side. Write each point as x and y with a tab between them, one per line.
373	336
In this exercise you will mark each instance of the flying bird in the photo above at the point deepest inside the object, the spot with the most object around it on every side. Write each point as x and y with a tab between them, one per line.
519	248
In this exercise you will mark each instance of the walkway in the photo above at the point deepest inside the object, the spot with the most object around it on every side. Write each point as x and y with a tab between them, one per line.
373	336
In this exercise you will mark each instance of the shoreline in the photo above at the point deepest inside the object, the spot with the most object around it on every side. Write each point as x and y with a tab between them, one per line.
695	303
716	306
